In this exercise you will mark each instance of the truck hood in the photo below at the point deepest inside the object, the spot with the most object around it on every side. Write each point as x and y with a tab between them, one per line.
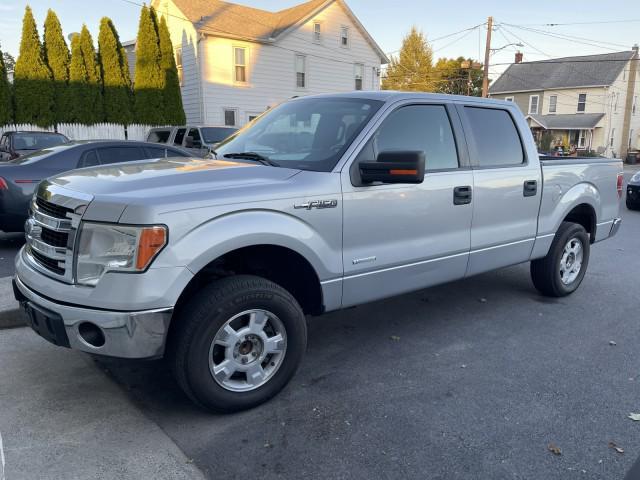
166	183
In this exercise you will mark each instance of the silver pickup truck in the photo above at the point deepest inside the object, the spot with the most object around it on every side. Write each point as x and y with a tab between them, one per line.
323	203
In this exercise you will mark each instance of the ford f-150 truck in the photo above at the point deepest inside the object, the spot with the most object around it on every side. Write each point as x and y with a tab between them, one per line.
324	202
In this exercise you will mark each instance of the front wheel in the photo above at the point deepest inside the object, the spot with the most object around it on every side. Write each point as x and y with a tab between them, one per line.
560	273
237	343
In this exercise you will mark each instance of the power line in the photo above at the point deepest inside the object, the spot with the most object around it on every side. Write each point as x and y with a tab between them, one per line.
444	36
572	38
596	22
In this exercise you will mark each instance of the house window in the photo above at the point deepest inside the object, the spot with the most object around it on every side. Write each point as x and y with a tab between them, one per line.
630	138
553	103
582	139
582	102
508	99
317	32
375	83
344	37
359	73
613	136
230	115
240	64
533	104
179	64
615	101
301	69
635	102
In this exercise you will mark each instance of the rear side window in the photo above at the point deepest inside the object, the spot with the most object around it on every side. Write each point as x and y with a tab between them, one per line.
89	159
179	136
155	152
424	128
195	134
120	154
495	136
159	136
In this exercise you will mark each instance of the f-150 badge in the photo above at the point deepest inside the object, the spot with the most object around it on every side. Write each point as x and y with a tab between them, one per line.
317	204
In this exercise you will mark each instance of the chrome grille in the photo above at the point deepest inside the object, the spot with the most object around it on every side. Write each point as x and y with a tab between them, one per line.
51	230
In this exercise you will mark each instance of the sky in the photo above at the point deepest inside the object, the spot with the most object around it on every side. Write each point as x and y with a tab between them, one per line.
388	21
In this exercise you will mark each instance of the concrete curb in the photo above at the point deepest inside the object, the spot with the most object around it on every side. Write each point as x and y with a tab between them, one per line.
11	315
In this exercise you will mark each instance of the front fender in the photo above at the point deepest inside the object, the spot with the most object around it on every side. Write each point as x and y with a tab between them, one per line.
226	233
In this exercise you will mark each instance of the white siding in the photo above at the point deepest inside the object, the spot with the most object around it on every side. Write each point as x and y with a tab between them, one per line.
271	68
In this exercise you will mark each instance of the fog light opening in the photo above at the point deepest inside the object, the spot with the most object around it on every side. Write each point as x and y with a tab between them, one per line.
91	334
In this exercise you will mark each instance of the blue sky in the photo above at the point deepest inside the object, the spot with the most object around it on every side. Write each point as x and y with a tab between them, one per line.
389	21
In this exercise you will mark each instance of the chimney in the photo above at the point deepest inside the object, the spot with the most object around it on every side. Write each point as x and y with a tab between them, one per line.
519	56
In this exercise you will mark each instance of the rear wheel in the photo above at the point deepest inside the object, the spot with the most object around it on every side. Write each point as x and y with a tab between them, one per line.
560	273
237	343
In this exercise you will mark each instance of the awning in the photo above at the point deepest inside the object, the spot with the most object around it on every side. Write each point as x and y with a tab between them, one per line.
575	121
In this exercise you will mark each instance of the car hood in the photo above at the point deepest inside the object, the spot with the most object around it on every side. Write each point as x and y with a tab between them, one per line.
169	182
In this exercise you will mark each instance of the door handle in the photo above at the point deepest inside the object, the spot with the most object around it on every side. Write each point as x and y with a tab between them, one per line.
530	188
462	195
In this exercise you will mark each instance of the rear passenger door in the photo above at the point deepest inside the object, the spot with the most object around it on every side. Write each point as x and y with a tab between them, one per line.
403	237
110	155
507	189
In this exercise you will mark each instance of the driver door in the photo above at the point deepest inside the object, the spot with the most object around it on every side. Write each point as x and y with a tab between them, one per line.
403	237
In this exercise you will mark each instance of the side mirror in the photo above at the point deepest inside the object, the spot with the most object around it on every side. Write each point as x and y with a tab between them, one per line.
188	141
394	167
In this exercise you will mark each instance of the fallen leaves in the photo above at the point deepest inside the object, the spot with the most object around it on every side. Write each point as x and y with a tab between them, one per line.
615	447
635	417
554	449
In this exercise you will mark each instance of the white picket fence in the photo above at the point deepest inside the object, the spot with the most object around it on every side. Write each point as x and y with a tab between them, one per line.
99	131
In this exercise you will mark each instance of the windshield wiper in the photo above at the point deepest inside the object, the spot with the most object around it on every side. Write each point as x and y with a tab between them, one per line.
256	157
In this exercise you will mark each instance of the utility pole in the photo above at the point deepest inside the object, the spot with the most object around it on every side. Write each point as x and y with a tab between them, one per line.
487	54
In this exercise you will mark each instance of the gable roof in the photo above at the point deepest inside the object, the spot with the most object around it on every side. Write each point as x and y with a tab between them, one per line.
567	72
226	19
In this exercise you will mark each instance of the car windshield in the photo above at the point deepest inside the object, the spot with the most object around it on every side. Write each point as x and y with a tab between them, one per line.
39	155
216	134
37	141
307	133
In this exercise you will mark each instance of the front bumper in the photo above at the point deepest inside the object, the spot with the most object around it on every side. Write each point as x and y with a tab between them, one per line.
136	334
633	195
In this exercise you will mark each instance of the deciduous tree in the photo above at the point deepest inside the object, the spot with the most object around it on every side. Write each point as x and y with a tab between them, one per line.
174	112
149	81
457	76
33	88
56	54
412	69
114	70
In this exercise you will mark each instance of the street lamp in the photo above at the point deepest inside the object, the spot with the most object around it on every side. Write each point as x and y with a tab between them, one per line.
507	45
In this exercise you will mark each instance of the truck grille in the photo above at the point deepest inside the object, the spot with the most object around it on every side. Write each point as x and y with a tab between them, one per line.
51	230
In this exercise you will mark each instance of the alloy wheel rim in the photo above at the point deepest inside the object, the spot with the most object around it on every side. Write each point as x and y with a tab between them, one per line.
571	261
247	350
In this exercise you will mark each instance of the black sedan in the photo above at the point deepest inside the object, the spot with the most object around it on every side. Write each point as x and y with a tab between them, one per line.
19	177
633	192
16	144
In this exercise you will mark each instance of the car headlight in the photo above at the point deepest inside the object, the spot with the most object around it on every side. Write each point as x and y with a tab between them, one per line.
118	248
636	177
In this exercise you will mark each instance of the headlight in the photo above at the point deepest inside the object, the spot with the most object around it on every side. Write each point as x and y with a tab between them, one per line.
108	247
636	177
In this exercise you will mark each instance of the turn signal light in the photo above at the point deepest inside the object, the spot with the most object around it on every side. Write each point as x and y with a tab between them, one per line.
152	240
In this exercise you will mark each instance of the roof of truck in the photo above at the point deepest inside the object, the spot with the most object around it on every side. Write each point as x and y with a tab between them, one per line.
391	95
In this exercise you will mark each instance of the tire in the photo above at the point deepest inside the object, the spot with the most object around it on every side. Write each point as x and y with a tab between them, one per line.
555	275
237	343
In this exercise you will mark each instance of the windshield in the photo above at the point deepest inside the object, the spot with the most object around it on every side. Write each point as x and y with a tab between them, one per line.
37	141
216	134
308	133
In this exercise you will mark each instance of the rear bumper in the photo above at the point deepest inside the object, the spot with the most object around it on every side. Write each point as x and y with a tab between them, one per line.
633	195
137	334
615	226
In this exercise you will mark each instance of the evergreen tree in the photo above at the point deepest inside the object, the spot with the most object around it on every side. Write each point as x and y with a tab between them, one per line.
94	91
149	81
6	107
114	70
413	69
79	91
174	112
56	54
32	85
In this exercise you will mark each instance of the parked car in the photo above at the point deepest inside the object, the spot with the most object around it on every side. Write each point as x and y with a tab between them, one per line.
196	139
323	203
15	144
19	177
633	192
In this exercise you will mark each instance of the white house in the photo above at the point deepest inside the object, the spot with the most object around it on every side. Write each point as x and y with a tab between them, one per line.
588	102
235	62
